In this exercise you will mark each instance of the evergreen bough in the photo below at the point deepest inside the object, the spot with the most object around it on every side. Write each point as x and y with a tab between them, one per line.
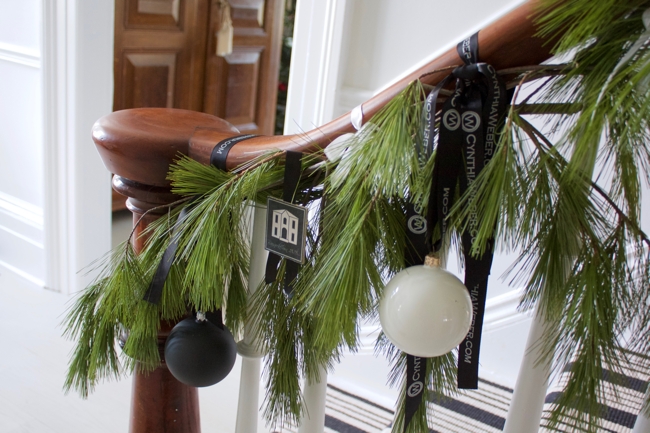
584	261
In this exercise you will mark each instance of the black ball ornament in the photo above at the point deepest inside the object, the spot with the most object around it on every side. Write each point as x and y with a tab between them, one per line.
199	353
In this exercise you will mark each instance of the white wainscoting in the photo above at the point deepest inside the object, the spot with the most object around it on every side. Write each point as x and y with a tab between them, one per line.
21	239
22	250
22	55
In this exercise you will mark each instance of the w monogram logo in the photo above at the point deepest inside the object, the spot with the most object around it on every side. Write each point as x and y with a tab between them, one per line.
451	120
471	121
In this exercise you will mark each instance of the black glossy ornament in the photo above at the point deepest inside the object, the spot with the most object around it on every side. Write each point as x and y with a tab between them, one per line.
199	353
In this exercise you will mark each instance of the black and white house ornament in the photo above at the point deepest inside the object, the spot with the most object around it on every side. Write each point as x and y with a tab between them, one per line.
425	311
200	353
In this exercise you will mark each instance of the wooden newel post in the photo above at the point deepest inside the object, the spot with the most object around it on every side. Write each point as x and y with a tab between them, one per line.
138	146
159	403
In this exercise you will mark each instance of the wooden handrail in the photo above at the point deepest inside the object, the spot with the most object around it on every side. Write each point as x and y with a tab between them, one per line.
139	144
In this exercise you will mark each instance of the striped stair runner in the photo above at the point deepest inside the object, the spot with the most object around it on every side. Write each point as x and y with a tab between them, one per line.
624	394
484	410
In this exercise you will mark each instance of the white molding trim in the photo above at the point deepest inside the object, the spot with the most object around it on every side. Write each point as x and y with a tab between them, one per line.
77	43
20	55
315	57
362	392
39	284
55	148
21	210
22	237
502	311
21	231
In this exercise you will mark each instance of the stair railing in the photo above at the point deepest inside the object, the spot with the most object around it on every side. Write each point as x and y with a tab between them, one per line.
138	146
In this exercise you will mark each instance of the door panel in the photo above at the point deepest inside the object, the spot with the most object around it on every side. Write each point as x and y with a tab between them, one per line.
242	86
160	53
149	79
242	75
149	14
165	56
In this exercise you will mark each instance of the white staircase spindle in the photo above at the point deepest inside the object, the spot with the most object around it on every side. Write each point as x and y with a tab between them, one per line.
527	403
313	421
249	387
642	424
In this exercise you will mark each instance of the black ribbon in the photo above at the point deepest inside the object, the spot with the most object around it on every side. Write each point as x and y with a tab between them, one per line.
292	171
218	159
220	152
416	373
470	120
469	124
155	290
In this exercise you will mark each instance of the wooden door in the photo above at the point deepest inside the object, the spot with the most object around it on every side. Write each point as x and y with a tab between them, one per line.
160	53
165	56
242	87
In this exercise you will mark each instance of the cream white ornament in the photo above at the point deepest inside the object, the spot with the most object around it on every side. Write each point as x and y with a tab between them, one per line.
425	311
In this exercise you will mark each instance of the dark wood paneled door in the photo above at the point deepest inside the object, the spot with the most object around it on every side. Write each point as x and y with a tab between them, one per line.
165	56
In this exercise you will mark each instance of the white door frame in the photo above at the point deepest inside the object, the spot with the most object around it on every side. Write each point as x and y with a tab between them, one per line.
77	89
315	56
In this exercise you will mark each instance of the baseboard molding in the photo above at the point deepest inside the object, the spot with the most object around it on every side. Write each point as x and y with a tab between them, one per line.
361	392
20	55
502	311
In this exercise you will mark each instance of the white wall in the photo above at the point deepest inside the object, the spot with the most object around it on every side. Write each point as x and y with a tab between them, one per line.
22	247
56	70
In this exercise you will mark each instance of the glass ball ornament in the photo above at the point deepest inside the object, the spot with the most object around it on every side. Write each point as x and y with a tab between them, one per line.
425	311
199	353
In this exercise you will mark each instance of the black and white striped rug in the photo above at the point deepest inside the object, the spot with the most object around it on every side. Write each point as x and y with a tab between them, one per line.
624	394
483	410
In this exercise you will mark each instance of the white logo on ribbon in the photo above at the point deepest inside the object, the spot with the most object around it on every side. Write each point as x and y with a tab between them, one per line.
285	226
451	120
417	224
471	121
415	389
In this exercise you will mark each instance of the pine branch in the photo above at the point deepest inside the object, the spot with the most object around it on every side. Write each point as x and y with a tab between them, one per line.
535	134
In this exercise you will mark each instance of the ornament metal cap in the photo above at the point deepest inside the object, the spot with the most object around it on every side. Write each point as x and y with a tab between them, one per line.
432	261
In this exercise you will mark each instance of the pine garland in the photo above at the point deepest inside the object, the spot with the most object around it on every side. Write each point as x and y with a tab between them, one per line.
585	261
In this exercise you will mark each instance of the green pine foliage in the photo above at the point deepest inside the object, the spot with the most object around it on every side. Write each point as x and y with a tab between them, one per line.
364	208
585	262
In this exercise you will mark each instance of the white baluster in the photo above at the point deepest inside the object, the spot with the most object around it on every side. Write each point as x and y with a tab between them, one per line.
313	421
527	403
642	424
249	386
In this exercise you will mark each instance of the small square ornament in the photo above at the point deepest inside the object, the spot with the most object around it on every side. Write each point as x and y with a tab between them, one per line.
286	229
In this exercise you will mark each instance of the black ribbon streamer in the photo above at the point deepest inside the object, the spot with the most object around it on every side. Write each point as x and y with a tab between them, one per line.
417	247
155	290
218	159
469	124
470	120
292	170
